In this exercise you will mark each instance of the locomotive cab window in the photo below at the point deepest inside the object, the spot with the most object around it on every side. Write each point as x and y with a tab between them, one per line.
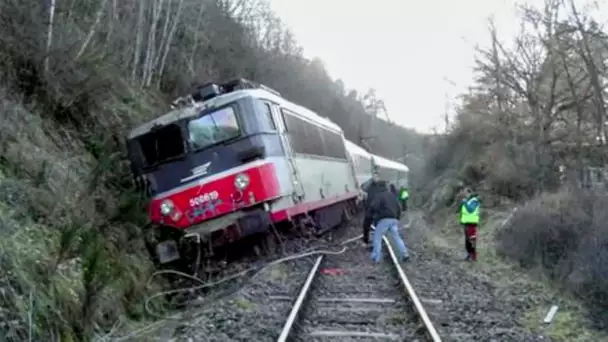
161	145
264	113
213	128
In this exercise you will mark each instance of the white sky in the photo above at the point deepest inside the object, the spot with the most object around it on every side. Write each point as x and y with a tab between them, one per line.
403	48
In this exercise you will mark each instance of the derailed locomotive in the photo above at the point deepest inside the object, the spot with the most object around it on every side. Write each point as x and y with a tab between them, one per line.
232	160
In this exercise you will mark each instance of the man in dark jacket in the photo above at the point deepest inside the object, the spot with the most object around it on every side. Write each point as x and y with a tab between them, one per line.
370	188
385	211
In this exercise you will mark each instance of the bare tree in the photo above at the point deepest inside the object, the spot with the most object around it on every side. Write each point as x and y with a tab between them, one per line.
93	29
169	39
49	35
589	58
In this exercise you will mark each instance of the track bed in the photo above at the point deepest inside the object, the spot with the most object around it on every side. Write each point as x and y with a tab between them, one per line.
347	298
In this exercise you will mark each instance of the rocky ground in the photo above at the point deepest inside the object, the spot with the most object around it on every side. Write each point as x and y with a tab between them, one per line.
485	301
381	309
524	296
462	305
252	312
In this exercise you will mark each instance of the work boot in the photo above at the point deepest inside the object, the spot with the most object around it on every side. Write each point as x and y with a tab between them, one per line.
468	258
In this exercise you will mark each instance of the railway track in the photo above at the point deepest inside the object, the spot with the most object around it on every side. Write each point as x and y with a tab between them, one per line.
347	298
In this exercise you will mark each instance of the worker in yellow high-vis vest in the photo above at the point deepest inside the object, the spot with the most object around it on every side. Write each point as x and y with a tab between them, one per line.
469	219
403	197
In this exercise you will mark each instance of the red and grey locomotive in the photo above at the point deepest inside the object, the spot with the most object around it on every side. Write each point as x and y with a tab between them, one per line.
231	160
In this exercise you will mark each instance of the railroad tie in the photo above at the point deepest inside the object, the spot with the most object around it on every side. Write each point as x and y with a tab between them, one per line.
342	333
356	300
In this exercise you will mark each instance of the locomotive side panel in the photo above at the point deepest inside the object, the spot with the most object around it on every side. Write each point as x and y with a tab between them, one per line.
321	168
325	183
325	179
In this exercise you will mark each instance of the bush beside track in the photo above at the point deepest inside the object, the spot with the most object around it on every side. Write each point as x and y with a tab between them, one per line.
522	147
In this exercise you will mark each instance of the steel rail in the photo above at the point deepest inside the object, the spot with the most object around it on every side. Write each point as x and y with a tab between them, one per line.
295	310
412	294
293	314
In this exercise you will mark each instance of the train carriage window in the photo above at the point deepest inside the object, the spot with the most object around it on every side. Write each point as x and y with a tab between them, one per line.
323	144
334	145
294	128
312	139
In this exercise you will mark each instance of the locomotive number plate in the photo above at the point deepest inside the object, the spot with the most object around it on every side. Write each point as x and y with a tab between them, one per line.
200	199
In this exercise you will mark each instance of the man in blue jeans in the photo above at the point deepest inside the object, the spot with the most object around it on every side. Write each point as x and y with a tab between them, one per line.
385	211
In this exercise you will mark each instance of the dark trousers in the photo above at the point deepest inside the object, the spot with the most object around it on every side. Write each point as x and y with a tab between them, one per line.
367	223
404	205
470	240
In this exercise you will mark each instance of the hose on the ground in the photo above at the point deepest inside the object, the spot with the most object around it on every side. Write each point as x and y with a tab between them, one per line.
203	284
254	270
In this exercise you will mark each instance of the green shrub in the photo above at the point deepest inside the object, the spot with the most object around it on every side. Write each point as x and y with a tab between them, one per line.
565	234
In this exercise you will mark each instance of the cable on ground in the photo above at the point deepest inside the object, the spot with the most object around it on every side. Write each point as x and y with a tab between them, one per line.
203	284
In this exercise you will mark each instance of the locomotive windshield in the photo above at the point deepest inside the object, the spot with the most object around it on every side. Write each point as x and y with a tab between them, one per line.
162	145
213	128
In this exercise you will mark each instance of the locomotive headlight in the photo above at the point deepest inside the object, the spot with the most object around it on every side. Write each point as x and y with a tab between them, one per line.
241	181
166	207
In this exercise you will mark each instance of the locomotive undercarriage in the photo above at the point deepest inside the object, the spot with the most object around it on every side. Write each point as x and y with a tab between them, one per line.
168	245
188	250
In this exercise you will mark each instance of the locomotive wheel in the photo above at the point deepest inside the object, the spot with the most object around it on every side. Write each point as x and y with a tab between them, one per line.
307	226
270	244
346	214
191	256
257	251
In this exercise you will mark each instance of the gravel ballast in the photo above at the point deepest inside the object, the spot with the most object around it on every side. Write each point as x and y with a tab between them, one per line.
251	313
463	307
352	295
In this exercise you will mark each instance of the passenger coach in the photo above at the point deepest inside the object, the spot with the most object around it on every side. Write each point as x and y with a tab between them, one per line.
393	172
365	163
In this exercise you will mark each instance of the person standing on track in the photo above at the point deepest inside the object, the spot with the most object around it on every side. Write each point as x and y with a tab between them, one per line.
385	211
370	188
469	219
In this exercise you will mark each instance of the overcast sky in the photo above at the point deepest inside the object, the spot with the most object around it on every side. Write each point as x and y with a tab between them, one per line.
402	48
